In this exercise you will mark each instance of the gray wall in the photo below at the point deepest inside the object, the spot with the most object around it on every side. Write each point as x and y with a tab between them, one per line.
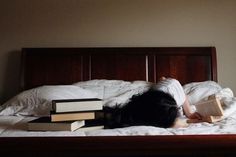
75	23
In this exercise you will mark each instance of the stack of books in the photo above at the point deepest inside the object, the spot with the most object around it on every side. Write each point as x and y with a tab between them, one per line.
70	115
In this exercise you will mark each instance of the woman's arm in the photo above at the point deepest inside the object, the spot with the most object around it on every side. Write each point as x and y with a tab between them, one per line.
189	112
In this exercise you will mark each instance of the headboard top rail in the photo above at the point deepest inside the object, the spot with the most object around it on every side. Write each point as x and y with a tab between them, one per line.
51	66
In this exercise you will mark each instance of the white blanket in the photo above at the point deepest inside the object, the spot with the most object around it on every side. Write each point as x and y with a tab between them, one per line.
14	126
116	92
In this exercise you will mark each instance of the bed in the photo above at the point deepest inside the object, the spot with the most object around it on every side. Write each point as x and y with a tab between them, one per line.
66	66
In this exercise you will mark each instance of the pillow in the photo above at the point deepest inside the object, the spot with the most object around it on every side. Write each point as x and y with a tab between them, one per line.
228	101
37	101
97	89
197	91
115	92
102	82
110	88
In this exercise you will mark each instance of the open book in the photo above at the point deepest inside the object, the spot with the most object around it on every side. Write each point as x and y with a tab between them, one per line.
210	110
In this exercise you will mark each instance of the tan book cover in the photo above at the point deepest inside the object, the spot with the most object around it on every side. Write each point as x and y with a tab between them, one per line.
72	116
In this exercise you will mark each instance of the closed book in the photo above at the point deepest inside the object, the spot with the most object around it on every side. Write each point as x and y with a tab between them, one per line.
57	117
45	124
73	105
94	124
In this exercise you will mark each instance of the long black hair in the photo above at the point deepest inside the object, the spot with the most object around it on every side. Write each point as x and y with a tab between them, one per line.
152	108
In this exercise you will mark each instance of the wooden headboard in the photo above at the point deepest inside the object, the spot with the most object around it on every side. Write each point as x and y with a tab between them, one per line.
52	66
43	66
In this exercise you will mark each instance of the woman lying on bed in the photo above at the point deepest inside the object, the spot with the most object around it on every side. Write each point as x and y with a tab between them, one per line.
36	102
160	106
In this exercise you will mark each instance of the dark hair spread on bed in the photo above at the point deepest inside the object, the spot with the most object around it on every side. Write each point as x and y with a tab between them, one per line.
152	108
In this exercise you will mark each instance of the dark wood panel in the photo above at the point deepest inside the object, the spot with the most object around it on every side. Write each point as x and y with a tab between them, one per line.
184	68
119	66
125	146
43	66
51	69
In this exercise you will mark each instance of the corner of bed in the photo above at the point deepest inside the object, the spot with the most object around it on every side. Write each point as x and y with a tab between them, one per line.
54	66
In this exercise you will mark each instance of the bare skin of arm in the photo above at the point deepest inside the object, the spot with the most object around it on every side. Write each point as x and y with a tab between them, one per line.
188	110
180	123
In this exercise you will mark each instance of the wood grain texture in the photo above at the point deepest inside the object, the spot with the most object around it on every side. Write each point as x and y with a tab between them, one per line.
125	146
51	66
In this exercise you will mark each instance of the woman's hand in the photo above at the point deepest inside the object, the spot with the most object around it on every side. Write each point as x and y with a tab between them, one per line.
195	115
180	123
189	112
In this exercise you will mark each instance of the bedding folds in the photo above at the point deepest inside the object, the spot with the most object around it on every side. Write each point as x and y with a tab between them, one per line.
16	112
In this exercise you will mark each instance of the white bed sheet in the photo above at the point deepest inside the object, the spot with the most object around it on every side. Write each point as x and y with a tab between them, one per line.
14	126
117	92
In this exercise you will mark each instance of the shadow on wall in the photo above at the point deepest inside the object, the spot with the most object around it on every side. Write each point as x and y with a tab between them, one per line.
11	84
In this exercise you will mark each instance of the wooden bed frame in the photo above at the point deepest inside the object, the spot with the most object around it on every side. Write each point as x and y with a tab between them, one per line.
43	66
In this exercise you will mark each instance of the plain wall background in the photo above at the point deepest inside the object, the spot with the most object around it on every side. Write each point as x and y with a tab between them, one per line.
114	23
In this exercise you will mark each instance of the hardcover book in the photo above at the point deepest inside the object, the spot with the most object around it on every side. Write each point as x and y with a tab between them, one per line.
57	117
45	124
94	124
73	105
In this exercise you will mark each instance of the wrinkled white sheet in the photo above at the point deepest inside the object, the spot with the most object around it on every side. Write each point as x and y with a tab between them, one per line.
37	101
116	92
13	126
